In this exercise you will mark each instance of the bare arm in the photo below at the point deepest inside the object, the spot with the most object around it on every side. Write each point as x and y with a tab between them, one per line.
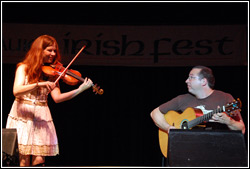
231	123
61	97
159	120
20	88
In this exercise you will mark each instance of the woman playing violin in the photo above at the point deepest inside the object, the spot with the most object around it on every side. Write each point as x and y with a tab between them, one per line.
30	113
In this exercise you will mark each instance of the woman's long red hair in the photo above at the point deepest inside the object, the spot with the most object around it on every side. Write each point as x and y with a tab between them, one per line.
34	57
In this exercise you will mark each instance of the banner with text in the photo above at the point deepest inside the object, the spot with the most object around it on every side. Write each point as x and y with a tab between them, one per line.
112	45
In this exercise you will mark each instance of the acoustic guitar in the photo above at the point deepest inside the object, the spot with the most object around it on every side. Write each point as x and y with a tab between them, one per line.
190	118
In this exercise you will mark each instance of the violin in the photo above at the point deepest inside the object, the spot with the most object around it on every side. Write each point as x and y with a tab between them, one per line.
70	77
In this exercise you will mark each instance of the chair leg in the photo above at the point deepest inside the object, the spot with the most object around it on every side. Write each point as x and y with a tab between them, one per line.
164	162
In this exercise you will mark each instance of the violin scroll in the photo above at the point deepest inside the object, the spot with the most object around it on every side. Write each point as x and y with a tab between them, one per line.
97	89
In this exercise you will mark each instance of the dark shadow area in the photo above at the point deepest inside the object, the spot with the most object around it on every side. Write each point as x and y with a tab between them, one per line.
111	13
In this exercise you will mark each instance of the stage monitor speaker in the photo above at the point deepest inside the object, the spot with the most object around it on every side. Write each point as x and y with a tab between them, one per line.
10	153
206	148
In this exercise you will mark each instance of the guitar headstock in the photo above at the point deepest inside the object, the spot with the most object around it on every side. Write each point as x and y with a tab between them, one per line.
97	89
236	104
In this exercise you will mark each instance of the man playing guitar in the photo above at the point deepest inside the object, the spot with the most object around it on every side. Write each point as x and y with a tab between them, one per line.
203	96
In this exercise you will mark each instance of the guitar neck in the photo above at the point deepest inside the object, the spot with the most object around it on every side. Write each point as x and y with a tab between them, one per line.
205	117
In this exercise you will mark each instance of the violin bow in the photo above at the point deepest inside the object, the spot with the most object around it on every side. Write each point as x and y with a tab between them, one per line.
70	64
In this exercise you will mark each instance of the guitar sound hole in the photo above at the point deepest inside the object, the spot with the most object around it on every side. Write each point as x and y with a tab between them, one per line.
184	125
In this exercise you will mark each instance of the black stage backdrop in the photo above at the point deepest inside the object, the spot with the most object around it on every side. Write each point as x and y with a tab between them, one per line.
115	129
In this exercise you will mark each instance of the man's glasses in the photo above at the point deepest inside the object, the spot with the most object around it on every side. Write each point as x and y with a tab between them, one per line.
192	77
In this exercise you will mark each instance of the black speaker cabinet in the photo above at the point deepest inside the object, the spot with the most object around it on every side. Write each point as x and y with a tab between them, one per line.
10	153
206	148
